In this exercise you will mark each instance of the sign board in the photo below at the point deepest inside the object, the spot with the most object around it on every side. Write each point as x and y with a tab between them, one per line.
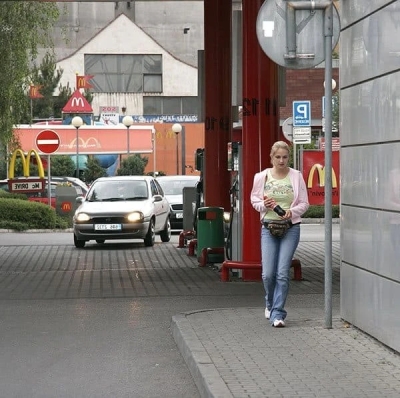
302	135
287	128
301	113
47	141
291	33
25	185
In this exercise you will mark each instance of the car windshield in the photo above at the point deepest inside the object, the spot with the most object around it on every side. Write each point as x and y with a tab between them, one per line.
110	191
175	187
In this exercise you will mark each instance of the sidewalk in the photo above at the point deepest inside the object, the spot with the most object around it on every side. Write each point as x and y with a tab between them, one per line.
234	352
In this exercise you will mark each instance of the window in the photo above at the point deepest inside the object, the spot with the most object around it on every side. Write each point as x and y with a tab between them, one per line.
124	73
170	105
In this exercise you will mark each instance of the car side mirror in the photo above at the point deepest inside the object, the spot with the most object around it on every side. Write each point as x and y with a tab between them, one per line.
79	200
157	198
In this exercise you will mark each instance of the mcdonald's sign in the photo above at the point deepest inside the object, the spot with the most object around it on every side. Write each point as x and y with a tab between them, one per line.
25	184
77	102
314	175
321	176
66	207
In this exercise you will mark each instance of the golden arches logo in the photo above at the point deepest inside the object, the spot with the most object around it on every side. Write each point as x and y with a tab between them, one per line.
66	206
321	176
25	163
91	141
77	102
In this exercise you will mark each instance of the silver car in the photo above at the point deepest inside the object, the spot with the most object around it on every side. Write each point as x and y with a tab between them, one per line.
173	190
124	207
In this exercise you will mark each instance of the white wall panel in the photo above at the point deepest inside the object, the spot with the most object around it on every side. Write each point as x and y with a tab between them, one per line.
352	11
371	303
372	111
371	47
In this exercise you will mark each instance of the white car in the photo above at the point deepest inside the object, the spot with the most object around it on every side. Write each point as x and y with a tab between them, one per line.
124	207
173	190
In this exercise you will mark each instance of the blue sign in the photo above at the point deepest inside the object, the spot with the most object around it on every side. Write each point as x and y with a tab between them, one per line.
301	113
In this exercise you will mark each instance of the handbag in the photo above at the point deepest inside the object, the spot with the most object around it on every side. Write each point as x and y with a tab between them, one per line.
278	228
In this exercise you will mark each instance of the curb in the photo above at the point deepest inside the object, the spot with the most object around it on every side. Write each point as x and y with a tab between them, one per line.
204	373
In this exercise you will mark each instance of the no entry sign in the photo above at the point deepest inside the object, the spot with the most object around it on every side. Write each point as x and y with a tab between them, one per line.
48	141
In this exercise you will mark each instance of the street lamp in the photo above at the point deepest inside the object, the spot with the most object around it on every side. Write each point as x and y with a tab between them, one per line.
153	132
177	128
77	122
127	122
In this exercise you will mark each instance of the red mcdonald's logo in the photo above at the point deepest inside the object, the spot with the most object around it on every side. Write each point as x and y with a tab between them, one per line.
321	176
66	206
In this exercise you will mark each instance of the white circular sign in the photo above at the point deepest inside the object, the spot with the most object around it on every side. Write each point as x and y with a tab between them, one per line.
293	35
287	128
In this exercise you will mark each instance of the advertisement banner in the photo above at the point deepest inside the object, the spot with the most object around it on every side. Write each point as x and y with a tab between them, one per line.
314	176
91	140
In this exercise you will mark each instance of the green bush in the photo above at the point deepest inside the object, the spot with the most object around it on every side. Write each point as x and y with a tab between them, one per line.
21	215
319	212
6	194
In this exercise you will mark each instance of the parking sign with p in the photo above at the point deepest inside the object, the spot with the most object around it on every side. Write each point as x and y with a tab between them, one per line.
301	113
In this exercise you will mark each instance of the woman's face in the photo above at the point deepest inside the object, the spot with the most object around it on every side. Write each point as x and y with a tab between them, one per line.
280	158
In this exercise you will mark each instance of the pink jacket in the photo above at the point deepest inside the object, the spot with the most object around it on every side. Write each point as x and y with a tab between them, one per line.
300	203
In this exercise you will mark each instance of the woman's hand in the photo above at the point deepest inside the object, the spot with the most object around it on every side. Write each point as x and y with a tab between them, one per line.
269	203
288	215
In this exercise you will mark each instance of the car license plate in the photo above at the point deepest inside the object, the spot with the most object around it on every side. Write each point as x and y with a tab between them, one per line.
179	215
107	227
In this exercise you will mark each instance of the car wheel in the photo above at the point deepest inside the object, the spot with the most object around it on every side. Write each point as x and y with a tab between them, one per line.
100	241
165	234
79	243
151	235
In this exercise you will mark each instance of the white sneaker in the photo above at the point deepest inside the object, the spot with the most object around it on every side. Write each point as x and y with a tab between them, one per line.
267	313
279	323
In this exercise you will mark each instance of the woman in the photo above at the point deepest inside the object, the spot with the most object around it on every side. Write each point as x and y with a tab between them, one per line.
285	187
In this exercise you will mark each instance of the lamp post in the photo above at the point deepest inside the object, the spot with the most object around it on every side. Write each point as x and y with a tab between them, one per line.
177	128
127	122
77	122
153	132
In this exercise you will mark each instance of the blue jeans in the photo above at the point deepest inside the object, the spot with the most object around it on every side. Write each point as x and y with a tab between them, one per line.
276	259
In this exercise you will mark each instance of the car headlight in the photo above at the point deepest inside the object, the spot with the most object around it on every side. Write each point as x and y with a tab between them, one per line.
82	217
136	216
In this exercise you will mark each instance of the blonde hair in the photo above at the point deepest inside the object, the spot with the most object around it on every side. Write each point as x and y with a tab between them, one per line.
279	145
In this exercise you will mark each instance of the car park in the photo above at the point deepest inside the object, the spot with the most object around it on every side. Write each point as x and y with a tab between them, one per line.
122	207
173	190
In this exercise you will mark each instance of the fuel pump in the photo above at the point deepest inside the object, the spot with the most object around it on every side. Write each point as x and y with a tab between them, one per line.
233	247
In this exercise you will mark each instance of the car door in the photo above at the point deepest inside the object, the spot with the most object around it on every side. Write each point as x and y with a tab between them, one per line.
161	208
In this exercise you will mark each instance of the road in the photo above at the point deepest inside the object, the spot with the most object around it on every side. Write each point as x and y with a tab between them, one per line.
96	322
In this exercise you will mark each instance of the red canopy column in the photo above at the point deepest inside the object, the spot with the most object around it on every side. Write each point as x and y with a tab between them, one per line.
218	100
260	126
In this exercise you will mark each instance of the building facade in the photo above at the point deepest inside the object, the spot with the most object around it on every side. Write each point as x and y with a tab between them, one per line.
370	167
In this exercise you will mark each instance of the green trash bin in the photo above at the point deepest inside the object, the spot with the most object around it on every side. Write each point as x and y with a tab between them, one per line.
210	232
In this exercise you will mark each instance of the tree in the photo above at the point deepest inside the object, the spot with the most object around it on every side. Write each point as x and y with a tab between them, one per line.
62	166
133	165
48	78
93	170
24	27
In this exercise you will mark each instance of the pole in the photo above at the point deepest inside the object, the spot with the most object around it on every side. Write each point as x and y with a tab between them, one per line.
183	151
154	153
48	181
77	152
127	140
328	23
177	154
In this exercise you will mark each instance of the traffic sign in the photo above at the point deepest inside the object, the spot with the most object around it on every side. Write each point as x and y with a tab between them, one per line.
302	135
48	141
301	113
287	128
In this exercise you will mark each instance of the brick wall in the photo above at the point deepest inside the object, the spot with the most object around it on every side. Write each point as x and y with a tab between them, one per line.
306	84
